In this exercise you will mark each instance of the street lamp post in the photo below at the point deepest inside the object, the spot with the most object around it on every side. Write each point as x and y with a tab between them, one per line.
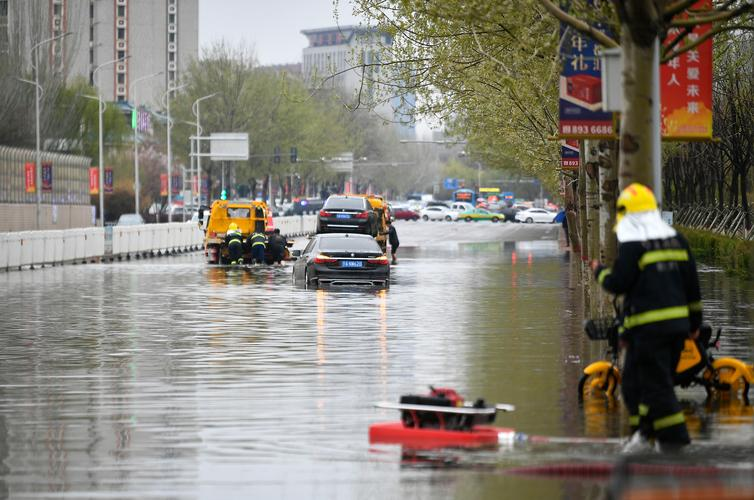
170	151
101	140
137	186
38	91
195	109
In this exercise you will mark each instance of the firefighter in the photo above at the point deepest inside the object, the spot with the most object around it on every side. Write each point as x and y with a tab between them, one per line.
234	242
656	273
258	243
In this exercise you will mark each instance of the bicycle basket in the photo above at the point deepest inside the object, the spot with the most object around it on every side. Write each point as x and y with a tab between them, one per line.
600	328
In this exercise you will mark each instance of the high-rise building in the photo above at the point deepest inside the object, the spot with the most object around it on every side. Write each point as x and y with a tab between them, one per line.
348	58
154	35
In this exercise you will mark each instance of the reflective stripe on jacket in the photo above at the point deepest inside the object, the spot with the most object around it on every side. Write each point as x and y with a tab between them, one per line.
233	236
660	283
258	239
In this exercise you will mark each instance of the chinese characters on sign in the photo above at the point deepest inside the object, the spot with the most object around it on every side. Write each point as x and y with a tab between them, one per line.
569	154
30	177
94	180
686	85
108	180
581	115
47	177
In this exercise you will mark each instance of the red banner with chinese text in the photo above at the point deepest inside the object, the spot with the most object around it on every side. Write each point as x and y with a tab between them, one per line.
686	84
30	177
163	184
93	180
569	154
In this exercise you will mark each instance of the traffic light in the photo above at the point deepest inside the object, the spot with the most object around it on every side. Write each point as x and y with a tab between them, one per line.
223	195
294	155
276	157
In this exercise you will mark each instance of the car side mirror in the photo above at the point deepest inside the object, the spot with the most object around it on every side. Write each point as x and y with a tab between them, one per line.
295	254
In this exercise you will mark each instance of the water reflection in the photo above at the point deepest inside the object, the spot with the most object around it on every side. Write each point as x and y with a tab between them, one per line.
170	375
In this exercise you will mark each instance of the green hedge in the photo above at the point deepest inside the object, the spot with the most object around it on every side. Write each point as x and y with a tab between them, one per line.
734	255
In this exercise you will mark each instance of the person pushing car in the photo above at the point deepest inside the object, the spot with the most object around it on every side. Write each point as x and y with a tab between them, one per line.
234	242
656	272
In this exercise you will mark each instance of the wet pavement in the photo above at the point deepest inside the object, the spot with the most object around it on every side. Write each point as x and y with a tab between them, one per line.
171	378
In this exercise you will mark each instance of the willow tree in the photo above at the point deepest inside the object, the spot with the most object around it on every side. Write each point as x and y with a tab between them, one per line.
430	37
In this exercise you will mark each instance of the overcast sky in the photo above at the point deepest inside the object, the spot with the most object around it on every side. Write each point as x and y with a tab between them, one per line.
273	27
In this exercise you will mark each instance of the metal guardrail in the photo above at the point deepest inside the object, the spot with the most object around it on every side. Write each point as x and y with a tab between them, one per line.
30	249
729	222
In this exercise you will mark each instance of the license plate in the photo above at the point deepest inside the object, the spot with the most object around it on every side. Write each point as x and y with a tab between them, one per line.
351	263
343	216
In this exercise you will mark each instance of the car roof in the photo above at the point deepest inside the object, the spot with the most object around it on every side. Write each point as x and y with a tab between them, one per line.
345	235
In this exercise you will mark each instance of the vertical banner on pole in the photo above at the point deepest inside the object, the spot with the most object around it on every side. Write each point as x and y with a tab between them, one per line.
175	184
94	180
569	154
47	177
108	180
30	177
686	84
163	184
194	185
580	103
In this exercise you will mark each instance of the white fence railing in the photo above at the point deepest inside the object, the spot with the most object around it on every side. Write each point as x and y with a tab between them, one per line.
45	248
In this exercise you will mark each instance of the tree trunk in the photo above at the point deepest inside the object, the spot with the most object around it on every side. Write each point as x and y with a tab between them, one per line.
592	221
636	119
608	197
583	233
572	215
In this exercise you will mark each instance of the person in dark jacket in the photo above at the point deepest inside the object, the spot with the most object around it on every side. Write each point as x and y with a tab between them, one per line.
234	242
277	244
258	243
392	238
656	273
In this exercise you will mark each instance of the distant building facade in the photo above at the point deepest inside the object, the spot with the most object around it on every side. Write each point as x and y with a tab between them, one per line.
156	35
348	58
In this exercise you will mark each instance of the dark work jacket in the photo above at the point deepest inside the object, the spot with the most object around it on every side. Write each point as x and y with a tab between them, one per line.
392	236
256	239
277	241
233	236
660	284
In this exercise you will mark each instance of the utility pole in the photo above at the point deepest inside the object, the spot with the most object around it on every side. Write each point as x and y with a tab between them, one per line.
137	186
195	109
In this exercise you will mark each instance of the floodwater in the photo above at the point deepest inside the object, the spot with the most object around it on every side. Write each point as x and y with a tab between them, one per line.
170	378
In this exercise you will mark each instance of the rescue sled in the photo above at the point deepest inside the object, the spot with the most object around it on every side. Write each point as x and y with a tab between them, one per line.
441	419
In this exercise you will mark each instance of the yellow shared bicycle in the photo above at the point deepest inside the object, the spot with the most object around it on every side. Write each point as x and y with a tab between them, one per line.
697	365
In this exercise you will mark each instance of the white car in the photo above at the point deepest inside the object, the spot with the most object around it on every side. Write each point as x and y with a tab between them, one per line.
535	215
456	208
435	213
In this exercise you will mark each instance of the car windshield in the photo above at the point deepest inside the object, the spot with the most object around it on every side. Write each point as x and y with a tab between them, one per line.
345	203
346	244
238	213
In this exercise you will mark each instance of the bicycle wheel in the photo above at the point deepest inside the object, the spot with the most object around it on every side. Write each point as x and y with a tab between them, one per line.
599	383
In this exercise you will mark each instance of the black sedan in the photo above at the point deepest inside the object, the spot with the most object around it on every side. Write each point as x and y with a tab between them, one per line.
347	214
342	259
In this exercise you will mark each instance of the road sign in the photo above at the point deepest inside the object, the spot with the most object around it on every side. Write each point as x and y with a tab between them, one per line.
229	146
450	183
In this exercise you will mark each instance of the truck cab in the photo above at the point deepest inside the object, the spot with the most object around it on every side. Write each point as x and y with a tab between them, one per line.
249	216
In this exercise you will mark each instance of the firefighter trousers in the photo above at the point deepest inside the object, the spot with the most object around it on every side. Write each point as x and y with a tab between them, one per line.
647	381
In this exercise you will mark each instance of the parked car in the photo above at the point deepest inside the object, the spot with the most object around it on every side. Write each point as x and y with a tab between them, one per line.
404	213
347	214
304	206
435	213
480	214
342	259
535	215
130	220
457	207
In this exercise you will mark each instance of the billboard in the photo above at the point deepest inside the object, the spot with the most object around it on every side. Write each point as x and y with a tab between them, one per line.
686	84
580	103
569	154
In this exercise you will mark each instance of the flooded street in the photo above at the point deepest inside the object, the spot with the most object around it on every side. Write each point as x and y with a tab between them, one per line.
171	378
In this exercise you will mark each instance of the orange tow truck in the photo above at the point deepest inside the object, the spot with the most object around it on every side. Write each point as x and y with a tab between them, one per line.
249	216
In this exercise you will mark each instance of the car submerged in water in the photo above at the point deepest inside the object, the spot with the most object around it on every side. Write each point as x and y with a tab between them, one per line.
342	259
